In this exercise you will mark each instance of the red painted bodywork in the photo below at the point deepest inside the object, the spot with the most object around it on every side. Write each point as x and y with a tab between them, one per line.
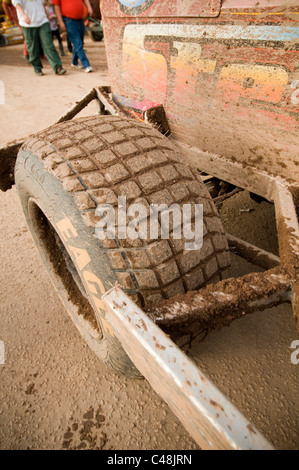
227	74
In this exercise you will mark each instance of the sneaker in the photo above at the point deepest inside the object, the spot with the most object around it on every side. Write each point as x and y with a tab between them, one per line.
78	67
40	73
59	70
88	69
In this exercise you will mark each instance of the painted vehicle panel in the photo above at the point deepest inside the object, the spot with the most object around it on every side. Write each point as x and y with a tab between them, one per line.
227	75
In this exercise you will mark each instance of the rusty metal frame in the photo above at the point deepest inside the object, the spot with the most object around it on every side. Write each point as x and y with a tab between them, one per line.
207	415
252	253
172	375
9	152
284	195
204	411
219	304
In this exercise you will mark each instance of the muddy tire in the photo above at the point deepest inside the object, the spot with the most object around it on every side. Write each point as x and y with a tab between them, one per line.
64	173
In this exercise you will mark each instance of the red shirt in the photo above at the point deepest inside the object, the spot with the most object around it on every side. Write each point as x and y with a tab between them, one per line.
73	9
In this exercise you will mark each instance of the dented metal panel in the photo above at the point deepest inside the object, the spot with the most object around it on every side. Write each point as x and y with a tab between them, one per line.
229	84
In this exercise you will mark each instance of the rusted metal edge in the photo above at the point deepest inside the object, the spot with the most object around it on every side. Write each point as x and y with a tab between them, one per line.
8	153
252	253
219	199
156	116
109	105
246	177
78	106
217	305
106	104
288	239
287	226
204	411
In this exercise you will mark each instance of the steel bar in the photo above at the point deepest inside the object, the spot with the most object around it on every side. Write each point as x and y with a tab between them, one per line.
219	199
108	103
206	414
253	179
252	253
288	239
288	226
8	154
78	106
219	304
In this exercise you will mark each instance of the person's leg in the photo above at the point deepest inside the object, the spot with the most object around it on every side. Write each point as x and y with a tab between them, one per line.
74	31
82	31
82	34
46	40
25	51
75	58
69	45
57	34
33	47
70	31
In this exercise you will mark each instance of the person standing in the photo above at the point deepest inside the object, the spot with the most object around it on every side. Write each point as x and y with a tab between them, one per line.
34	22
53	25
10	11
70	14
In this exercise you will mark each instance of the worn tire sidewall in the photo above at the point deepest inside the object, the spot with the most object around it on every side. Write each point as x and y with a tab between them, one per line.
33	182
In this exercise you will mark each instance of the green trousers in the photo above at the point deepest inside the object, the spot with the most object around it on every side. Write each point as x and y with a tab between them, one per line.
40	39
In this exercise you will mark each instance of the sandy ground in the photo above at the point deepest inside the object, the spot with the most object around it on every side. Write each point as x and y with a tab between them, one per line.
54	393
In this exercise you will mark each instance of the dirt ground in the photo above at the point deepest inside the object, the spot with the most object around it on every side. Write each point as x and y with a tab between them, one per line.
54	393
